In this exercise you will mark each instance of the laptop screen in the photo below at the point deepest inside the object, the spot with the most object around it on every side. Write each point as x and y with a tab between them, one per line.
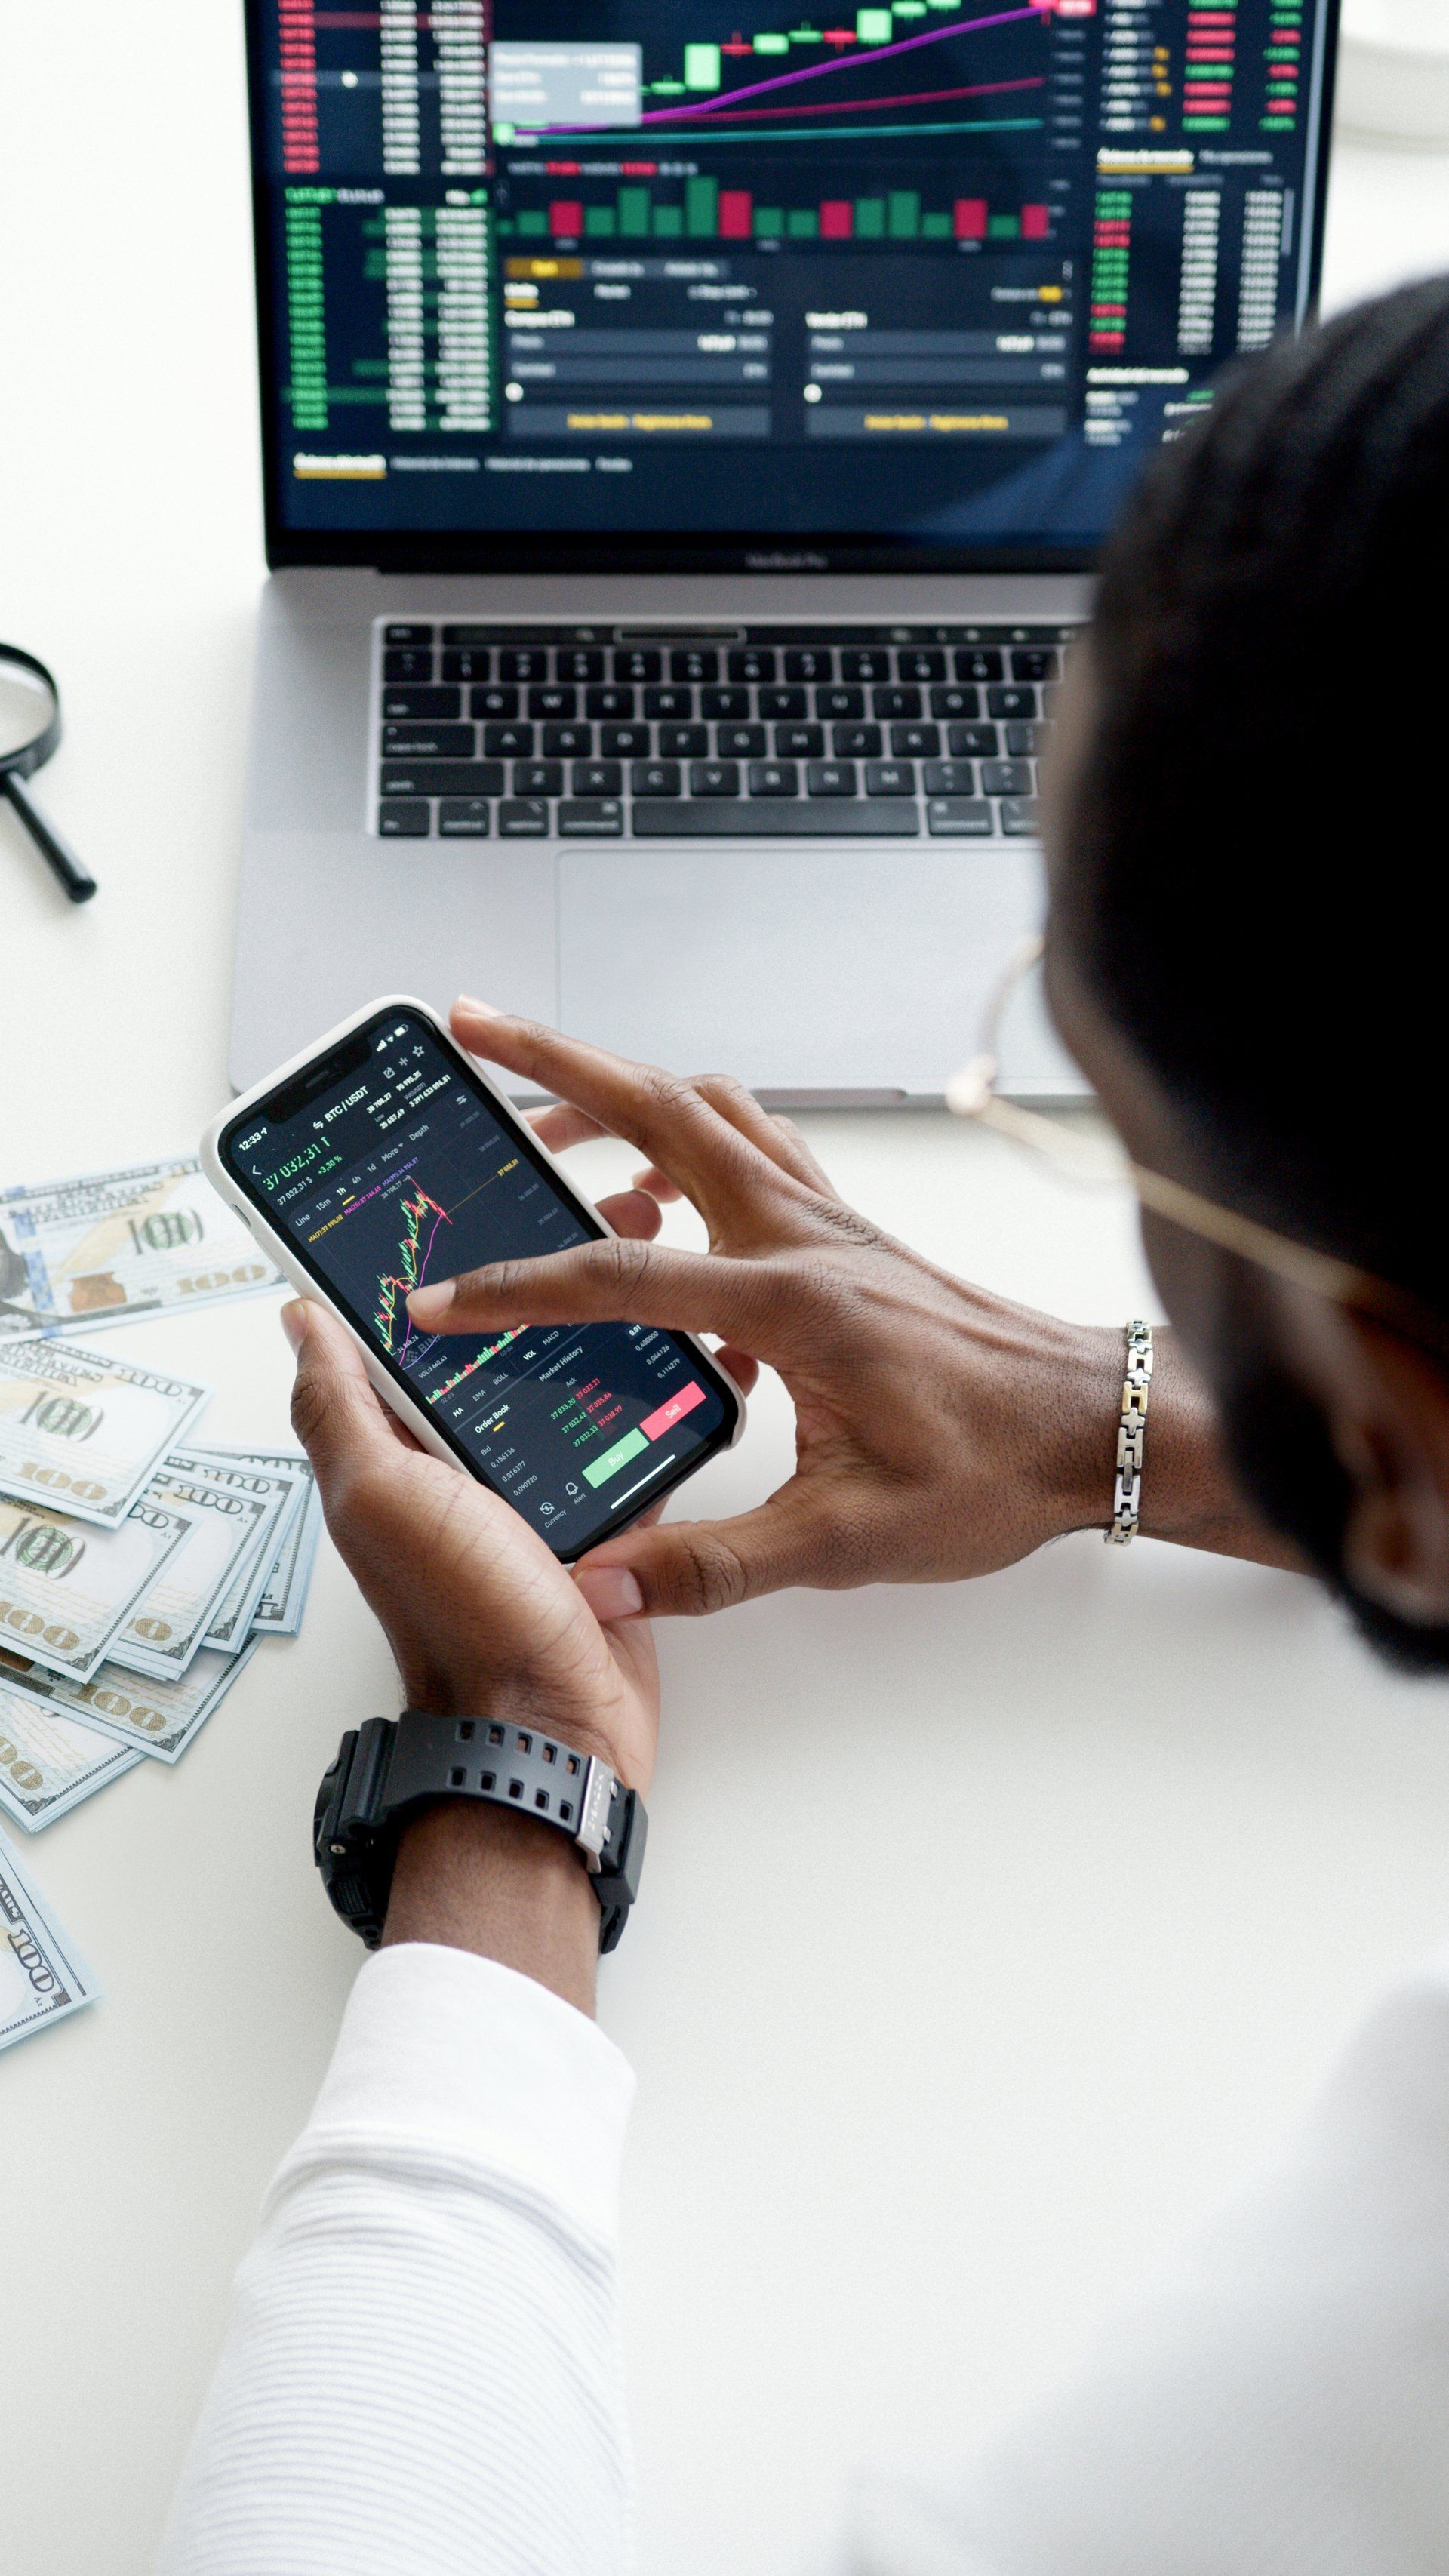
915	284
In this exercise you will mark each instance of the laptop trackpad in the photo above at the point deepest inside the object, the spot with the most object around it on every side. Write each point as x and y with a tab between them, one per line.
801	971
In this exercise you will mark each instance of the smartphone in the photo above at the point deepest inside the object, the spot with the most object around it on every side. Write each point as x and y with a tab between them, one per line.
382	1158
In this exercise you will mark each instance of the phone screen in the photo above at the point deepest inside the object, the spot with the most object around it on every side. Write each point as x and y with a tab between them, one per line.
387	1165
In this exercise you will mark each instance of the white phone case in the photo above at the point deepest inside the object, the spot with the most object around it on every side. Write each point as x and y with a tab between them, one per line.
416	1416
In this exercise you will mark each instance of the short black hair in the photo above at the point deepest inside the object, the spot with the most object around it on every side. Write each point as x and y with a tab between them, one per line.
1254	882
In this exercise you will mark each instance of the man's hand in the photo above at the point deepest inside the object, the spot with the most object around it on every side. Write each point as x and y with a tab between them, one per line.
940	1432
484	1622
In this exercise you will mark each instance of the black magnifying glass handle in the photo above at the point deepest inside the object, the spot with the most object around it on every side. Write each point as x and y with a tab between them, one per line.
77	881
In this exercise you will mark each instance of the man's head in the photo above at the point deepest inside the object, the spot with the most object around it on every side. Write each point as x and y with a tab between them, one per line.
1246	946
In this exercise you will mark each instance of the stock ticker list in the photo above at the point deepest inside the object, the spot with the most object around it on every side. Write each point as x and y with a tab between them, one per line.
405	1177
970	236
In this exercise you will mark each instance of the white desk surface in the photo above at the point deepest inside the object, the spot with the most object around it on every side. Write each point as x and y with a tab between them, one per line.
989	1934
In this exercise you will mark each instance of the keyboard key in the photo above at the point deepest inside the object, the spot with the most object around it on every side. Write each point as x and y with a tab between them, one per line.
591	778
774	778
949	778
890	778
579	662
408	635
508	741
684	742
473	662
525	821
566	741
538	778
800	741
1024	741
470	634
636	662
830	778
403	818
775	819
714	778
724	702
670	700
553	700
625	741
917	662
523	662
777	700
977	663
1006	778
895	702
610	700
839	702
810	662
442	778
751	662
973	741
429	741
955	699
857	741
497	699
654	778
736	741
867	665
1011	701
465	818
411	663
915	741
398	703
1021	817
1034	665
694	662
957	818
601	819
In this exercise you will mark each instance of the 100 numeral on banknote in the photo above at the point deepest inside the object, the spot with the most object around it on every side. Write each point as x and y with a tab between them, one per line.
113	1246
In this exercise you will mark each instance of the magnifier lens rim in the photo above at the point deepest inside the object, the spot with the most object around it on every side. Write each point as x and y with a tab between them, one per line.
30	756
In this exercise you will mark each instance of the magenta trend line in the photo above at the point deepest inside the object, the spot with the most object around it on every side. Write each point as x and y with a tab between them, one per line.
843	62
904	98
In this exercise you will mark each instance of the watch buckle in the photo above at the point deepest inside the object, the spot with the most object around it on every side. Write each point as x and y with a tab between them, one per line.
593	1832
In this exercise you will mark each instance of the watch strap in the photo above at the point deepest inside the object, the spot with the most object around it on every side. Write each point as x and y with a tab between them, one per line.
392	1767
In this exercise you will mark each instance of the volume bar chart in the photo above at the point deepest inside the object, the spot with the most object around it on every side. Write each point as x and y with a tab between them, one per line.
708	212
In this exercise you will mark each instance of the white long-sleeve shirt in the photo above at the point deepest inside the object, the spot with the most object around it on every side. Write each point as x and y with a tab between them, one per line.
422	2376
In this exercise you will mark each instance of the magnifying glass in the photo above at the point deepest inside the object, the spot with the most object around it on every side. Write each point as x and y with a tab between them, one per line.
29	732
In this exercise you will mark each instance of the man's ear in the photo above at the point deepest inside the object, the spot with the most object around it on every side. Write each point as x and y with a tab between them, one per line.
1388	1415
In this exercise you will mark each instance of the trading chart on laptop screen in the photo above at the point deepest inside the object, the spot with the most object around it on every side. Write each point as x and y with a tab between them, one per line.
934	272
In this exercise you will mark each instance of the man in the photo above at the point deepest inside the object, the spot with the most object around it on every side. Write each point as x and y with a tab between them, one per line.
422	2372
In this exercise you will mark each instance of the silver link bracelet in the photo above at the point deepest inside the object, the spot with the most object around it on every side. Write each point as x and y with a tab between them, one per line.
1130	1435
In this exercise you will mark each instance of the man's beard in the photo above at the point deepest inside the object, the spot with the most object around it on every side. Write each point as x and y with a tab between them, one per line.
1282	1456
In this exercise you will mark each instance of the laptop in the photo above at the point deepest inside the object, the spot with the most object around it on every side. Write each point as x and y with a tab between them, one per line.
687	442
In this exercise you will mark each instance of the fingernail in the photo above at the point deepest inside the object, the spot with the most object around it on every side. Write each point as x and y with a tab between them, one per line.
294	1321
611	1592
430	1305
470	1002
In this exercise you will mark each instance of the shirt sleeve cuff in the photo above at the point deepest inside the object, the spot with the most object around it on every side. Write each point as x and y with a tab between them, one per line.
477	2066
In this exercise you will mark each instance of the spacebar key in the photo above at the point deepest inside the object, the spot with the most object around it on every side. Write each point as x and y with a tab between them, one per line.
708	818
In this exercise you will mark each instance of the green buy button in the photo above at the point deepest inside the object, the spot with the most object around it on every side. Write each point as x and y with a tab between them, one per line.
615	1458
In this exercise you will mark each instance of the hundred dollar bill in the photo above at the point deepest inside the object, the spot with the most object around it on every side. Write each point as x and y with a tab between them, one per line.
114	1245
49	1762
169	1622
84	1433
284	1594
282	1490
279	1611
160	1718
42	1975
66	1592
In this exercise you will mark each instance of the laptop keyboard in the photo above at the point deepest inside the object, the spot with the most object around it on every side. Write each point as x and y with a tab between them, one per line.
736	733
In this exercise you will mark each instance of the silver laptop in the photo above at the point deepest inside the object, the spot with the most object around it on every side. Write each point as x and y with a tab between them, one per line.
685	453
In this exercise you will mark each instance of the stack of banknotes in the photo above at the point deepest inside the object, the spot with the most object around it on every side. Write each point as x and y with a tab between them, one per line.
140	1565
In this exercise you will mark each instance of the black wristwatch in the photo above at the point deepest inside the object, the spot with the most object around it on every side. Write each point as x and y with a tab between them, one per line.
390	1767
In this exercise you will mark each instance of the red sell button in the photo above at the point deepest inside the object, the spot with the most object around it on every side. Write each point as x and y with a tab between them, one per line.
672	1412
